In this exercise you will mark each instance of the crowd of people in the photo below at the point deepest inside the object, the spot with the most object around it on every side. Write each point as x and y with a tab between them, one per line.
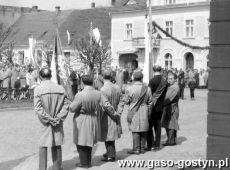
98	105
17	82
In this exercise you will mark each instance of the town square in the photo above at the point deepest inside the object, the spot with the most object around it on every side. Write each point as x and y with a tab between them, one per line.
114	84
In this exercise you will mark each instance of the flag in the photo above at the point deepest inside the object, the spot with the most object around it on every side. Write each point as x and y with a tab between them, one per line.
32	43
60	72
68	37
97	35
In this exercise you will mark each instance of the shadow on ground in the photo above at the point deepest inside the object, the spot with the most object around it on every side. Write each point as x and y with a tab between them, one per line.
96	160
8	165
181	139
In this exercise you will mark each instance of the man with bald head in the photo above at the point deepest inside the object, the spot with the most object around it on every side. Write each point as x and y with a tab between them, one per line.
51	107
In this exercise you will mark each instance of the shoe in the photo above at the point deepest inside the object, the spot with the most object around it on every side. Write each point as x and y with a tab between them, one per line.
147	149
105	155
169	144
108	159
142	151
136	152
79	165
155	149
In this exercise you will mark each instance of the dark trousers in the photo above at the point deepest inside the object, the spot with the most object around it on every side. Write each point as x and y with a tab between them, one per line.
192	92
85	155
171	135
56	157
139	139
156	123
182	92
110	149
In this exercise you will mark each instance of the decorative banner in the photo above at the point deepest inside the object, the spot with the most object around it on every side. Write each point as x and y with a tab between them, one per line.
60	72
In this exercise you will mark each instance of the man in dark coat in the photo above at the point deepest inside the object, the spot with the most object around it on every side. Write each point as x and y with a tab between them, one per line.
74	79
51	106
181	83
110	129
158	86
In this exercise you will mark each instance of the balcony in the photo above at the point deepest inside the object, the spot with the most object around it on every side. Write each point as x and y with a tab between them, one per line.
140	42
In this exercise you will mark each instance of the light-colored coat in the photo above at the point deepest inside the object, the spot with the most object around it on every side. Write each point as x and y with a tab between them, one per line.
171	110
86	106
110	129
6	78
50	101
140	119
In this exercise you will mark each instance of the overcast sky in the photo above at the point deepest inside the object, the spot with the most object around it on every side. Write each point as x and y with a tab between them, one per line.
48	4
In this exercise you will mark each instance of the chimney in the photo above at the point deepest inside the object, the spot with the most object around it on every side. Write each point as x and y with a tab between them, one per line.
93	5
58	10
113	2
35	8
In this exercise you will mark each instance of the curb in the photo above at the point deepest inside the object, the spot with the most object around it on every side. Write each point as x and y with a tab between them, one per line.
16	109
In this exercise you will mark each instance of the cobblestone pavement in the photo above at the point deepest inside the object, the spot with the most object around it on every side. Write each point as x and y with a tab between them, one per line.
19	139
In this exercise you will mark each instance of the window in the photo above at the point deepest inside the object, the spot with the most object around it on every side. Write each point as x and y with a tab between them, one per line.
189	28
129	31
168	60
169	27
170	2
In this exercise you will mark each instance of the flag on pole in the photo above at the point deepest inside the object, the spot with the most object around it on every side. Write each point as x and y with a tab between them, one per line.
68	37
147	68
60	72
97	35
32	43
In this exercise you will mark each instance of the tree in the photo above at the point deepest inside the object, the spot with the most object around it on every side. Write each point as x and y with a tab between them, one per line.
92	53
6	49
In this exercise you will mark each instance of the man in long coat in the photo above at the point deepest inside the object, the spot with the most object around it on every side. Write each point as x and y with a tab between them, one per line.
171	110
86	106
7	80
110	129
138	120
51	107
158	86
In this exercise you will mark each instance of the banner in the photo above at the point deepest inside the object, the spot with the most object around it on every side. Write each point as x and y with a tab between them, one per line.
60	71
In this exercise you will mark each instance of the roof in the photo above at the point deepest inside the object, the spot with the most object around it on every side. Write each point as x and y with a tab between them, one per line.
143	7
42	25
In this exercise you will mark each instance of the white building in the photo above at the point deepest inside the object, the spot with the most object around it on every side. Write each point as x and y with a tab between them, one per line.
186	20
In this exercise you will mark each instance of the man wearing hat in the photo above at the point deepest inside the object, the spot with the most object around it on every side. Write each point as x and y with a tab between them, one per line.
51	106
158	86
110	128
138	97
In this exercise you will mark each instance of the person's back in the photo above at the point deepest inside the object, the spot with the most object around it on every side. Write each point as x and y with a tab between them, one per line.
51	106
153	84
158	86
51	95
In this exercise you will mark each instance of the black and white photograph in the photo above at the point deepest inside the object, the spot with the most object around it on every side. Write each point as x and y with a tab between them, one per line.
114	84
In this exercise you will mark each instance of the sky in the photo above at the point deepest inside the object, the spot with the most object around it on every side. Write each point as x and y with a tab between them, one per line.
49	4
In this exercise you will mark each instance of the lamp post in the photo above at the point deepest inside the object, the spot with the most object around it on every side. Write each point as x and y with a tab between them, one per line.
150	41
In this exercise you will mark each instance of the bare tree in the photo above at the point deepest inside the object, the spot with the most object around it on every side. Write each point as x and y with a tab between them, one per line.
92	53
6	49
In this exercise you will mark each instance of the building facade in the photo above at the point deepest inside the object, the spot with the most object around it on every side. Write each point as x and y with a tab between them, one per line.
186	20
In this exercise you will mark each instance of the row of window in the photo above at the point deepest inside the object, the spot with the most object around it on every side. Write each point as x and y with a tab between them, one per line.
189	29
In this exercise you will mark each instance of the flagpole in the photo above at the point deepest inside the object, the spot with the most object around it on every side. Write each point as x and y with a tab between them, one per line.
150	41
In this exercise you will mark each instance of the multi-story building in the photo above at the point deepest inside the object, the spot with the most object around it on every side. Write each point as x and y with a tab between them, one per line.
186	20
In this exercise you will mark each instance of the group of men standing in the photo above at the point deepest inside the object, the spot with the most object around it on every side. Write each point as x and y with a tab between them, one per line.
97	115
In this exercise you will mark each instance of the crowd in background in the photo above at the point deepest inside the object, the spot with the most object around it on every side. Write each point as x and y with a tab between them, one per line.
17	82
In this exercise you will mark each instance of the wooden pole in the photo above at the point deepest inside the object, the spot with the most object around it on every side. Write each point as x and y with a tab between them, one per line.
150	41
